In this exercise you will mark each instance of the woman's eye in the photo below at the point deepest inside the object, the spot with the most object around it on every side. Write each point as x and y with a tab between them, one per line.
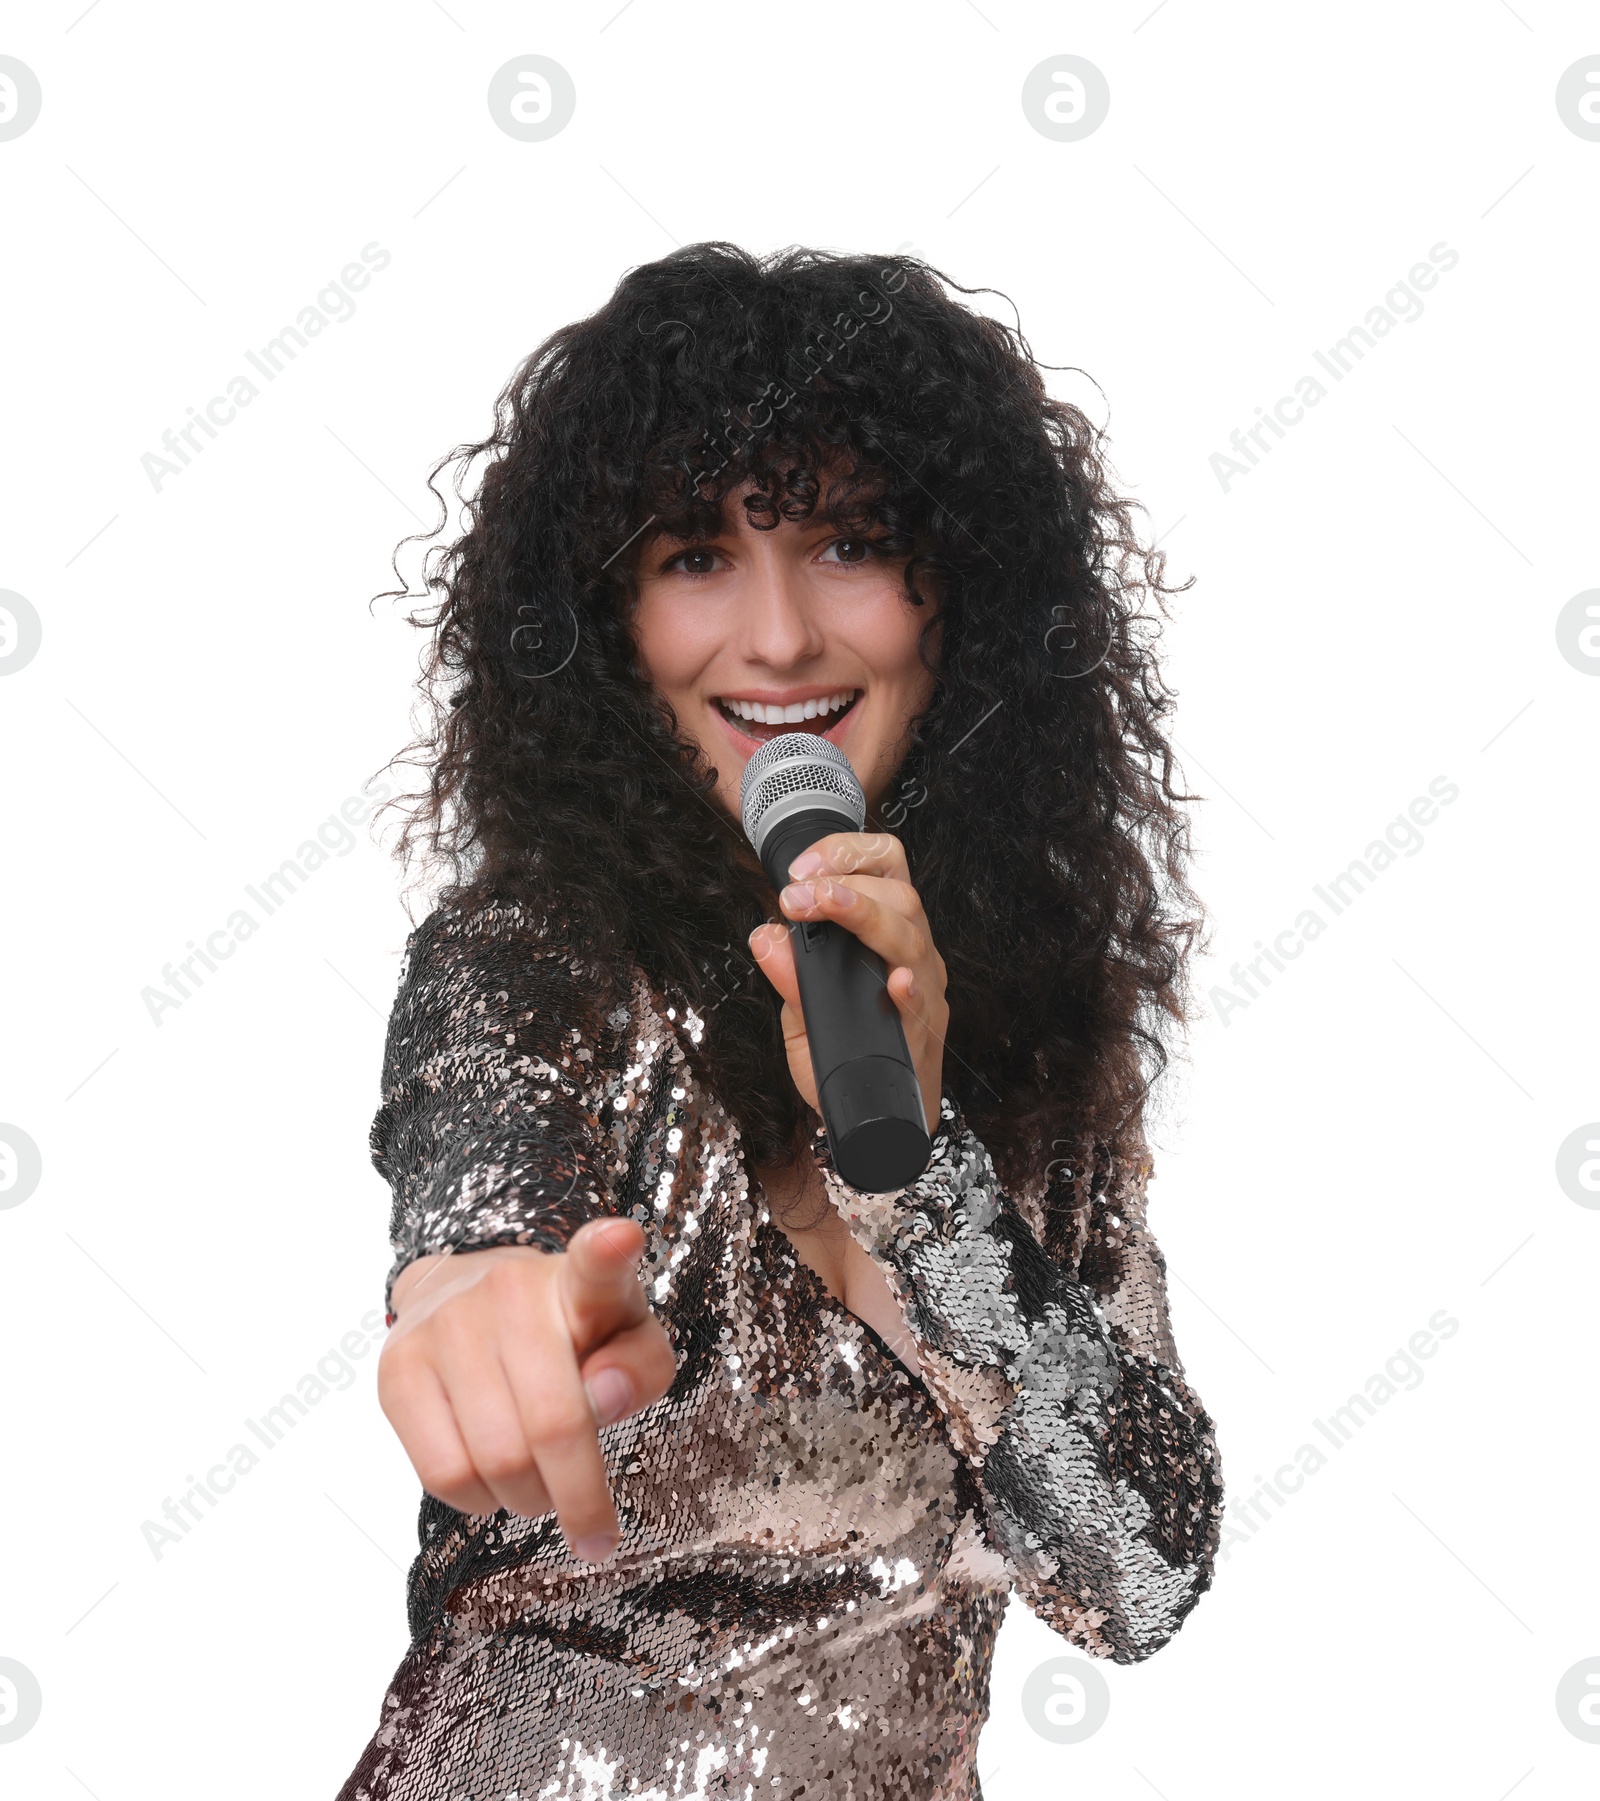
861	548
702	557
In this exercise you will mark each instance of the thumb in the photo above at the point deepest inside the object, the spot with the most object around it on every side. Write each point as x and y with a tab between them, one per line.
600	1282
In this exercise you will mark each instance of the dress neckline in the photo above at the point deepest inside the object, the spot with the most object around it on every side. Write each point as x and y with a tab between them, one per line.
822	1300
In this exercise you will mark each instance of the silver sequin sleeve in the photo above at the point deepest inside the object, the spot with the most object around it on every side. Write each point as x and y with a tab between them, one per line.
1058	1379
500	1121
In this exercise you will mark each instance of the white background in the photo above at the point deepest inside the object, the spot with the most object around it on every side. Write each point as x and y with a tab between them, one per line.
1371	1139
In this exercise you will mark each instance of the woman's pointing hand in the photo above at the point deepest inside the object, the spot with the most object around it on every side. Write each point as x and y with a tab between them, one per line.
503	1364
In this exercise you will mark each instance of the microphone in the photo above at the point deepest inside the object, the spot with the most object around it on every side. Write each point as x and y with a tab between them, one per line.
796	789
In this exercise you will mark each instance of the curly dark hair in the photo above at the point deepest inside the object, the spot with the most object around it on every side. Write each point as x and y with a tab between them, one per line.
1035	804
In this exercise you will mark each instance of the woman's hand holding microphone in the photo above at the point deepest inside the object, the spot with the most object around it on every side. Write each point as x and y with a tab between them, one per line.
878	903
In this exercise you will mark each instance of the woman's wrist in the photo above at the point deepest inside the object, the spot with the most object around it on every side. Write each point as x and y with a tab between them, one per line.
425	1273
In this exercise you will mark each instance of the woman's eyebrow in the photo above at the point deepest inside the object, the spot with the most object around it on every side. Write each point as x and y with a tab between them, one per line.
868	524
663	531
664	544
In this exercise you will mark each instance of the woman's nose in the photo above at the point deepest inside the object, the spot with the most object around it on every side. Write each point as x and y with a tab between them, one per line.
777	617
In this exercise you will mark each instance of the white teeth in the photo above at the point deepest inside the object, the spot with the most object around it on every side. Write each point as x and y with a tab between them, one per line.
797	711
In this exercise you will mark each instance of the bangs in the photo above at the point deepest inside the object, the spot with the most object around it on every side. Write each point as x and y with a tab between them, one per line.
786	473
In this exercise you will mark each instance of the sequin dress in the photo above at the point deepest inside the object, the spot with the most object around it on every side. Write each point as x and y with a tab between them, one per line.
818	1546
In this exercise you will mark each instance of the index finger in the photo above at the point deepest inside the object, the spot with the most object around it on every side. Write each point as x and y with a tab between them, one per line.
600	1288
563	1438
853	853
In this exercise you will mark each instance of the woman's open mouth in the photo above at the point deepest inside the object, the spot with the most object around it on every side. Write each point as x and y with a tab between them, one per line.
757	721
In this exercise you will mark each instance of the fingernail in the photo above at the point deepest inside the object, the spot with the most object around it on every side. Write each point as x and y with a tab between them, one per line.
596	1548
912	990
610	1395
798	895
807	863
841	895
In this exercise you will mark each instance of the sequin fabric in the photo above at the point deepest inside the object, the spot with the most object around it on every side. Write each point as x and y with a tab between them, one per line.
818	1546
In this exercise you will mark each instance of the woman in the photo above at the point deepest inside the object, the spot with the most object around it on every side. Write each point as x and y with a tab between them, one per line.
729	1467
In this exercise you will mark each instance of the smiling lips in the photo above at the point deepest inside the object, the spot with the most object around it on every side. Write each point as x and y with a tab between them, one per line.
760	718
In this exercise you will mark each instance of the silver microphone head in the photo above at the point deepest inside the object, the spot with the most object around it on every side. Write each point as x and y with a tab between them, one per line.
792	772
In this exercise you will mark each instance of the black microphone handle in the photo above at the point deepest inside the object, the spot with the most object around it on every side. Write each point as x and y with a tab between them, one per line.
867	1088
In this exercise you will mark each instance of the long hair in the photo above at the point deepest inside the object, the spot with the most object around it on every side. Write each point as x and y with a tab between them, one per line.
1035	801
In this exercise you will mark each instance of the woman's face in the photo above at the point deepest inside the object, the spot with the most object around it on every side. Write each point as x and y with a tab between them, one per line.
797	618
